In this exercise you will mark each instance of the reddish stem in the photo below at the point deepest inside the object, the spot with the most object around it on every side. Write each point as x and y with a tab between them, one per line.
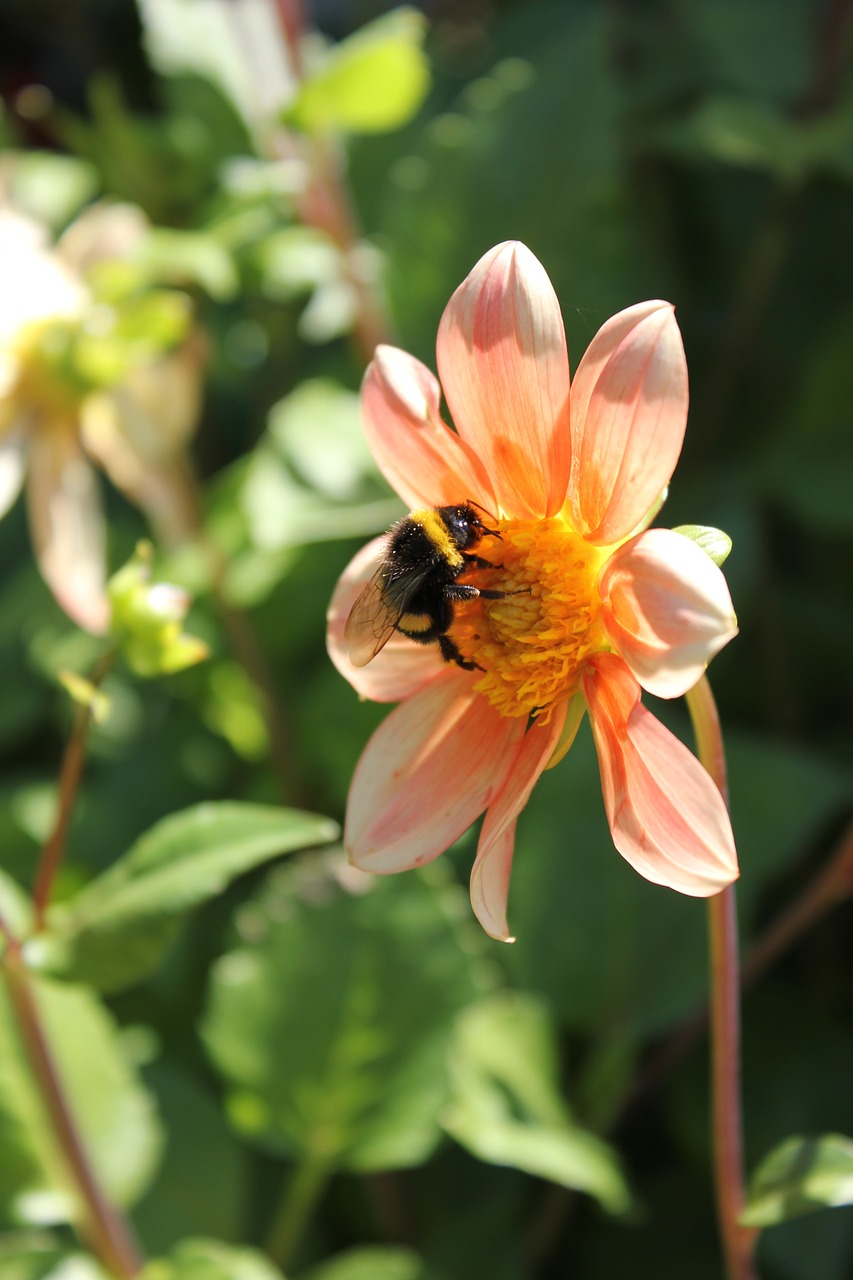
68	788
738	1242
105	1229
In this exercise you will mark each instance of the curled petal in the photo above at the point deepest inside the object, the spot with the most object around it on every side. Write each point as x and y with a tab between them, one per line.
428	772
629	412
666	816
666	608
13	463
505	371
402	667
101	232
67	523
37	285
420	457
490	873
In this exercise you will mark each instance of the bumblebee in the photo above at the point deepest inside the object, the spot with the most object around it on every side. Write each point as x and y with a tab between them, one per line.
416	586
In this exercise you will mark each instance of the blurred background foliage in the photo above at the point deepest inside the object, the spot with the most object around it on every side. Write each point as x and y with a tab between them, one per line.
292	1071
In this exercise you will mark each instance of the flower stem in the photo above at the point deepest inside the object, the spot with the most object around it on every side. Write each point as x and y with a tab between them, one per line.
738	1242
302	1193
104	1228
68	787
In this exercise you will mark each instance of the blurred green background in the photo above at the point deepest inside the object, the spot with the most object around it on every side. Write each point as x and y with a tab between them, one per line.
447	1107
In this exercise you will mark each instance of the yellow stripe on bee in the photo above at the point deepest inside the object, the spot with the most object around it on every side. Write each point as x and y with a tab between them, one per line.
436	530
415	622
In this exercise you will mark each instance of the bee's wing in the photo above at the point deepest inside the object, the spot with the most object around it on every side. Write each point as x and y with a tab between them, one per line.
376	612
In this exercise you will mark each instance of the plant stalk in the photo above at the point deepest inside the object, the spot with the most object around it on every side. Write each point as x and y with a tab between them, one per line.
68	787
104	1228
727	1131
303	1191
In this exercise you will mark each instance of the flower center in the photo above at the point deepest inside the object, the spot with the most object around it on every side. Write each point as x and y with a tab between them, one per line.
532	642
47	382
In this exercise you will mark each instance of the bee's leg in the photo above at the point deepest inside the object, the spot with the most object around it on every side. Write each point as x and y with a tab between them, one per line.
462	591
478	562
450	653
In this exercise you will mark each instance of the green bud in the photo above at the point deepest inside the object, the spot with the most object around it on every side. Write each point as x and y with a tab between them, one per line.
147	618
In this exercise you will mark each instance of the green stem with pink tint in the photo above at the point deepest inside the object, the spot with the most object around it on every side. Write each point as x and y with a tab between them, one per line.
738	1241
103	1227
68	787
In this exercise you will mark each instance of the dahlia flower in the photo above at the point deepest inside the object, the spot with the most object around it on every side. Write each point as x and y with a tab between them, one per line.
88	377
599	607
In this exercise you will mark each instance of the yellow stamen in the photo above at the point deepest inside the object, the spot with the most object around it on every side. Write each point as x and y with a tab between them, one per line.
532	643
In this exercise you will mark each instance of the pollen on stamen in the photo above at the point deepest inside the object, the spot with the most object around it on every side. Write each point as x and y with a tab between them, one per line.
532	643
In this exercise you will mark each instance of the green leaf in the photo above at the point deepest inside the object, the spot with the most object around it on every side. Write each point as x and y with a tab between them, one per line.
332	1025
370	1264
113	1111
33	1257
506	1106
15	906
372	82
50	186
118	928
756	135
318	430
184	1201
713	542
190	257
211	1260
799	1176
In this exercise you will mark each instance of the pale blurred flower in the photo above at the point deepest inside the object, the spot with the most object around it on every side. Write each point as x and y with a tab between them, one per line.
94	366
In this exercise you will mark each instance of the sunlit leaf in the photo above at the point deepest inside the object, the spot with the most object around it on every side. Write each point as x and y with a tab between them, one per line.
191	257
370	1264
112	1110
51	186
506	1106
371	82
211	1260
85	694
332	1022
118	928
318	430
799	1176
27	1256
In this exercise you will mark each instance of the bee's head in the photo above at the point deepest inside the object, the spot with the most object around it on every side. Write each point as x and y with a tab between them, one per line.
465	526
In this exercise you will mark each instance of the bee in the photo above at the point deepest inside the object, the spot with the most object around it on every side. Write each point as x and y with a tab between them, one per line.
416	588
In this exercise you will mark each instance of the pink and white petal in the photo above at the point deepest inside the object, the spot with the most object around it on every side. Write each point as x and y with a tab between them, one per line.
67	523
503	364
490	873
667	817
666	609
398	670
101	232
629	413
421	458
112	430
13	465
428	772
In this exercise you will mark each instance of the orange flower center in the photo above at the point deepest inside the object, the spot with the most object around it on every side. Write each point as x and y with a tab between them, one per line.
532	643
